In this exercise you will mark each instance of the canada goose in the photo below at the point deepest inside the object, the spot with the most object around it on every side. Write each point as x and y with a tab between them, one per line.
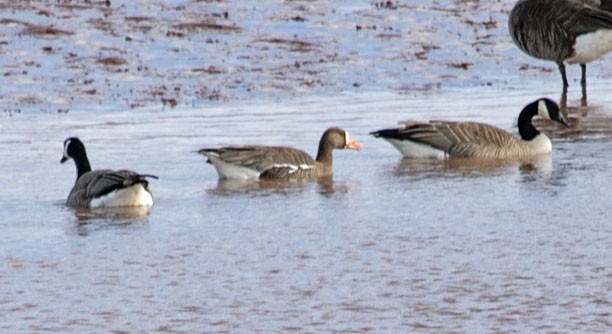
564	31
278	162
442	139
104	188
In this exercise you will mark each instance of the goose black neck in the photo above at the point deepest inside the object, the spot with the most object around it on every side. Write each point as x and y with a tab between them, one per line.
82	164
526	128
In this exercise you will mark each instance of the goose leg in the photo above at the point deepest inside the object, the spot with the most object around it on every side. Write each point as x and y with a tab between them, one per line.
563	106
583	101
563	102
563	75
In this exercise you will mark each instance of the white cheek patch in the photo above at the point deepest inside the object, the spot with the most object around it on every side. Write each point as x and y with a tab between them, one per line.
347	138
66	149
543	110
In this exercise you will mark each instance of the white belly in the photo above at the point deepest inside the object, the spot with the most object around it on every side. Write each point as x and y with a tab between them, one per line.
410	149
132	196
231	171
589	47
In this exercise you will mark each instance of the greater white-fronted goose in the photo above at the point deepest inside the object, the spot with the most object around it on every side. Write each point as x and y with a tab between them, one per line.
278	162
104	188
443	139
563	31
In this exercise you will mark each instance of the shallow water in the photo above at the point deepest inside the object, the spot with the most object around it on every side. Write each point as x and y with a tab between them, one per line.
387	245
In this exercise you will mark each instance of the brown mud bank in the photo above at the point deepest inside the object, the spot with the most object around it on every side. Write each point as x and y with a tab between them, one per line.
61	55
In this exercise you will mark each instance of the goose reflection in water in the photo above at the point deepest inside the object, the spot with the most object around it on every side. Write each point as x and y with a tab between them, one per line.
326	186
470	167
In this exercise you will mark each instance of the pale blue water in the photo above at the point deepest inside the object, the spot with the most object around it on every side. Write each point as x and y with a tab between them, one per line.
387	246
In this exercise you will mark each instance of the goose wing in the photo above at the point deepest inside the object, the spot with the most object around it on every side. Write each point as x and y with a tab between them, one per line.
588	16
540	28
460	139
269	161
101	182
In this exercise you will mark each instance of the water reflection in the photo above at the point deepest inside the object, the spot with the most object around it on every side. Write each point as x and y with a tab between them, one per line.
470	167
550	182
598	124
257	187
90	220
128	212
563	100
326	186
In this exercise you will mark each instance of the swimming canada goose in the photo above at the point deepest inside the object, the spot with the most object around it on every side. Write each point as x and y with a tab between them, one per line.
278	162
104	188
442	139
564	31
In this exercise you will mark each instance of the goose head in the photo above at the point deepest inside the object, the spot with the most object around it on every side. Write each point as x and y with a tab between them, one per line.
334	138
73	147
75	150
544	108
548	109
339	139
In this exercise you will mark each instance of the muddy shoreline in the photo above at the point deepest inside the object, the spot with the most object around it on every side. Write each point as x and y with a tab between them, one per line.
63	55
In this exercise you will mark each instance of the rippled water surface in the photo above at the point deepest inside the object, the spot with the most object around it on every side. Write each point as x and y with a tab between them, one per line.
385	246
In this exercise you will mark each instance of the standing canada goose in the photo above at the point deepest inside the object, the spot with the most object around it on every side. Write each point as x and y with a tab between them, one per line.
278	162
104	188
564	31
442	139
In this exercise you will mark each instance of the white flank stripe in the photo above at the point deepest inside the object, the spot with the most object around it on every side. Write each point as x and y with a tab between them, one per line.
293	168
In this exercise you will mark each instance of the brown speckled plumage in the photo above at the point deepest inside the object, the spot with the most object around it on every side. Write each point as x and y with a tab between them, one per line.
279	162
